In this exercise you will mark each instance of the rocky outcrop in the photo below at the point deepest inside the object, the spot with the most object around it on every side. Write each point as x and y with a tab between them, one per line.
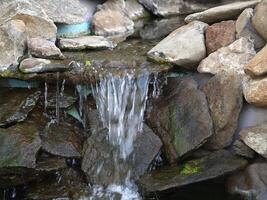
184	47
182	125
256	138
41	48
219	35
259	19
230	58
225	99
85	43
245	29
208	167
220	13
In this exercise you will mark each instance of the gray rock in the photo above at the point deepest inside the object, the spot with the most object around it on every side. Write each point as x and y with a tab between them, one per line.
42	48
259	19
39	65
241	149
181	124
209	167
245	29
256	138
86	42
220	13
13	44
38	24
184	47
225	99
15	105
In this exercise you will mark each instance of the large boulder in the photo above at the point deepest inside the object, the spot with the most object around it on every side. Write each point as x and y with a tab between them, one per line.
230	58
259	19
245	29
183	47
13	44
225	99
256	138
182	124
220	13
38	24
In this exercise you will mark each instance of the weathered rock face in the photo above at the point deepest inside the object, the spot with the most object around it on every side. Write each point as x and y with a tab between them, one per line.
38	24
250	183
181	124
64	11
259	19
225	99
245	29
13	44
209	167
256	138
219	35
15	105
40	65
258	65
86	42
184	47
230	58
41	48
220	13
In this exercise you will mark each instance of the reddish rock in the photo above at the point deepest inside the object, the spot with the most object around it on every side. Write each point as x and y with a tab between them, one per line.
220	35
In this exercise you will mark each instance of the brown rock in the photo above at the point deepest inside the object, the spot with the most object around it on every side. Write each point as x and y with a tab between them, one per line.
224	95
259	19
258	65
220	35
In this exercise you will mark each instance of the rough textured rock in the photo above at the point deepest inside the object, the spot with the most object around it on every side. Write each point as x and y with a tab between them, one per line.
184	47
64	11
86	42
225	99
259	19
256	138
181	124
15	105
230	58
40	65
220	13
249	183
219	35
62	140
13	44
38	24
42	48
245	29
241	149
258	65
209	167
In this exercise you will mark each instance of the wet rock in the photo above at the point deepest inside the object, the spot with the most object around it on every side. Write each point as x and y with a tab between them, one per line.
111	23
62	140
231	58
241	149
258	65
249	183
13	44
41	48
225	99
219	35
184	47
38	24
40	65
220	13
85	42
209	167
245	29
15	105
160	28
259	19
64	11
64	101
256	138
181	124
